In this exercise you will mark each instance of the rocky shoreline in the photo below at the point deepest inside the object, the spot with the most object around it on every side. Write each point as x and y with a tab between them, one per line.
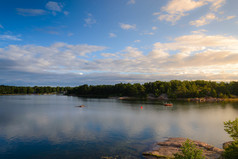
200	100
167	148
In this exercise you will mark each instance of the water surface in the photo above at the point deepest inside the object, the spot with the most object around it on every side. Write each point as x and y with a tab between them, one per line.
50	126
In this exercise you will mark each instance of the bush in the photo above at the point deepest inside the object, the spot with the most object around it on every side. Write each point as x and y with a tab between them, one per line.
231	127
189	151
231	152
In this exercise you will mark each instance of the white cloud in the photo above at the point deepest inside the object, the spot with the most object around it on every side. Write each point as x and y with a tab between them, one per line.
59	57
171	17
204	20
131	52
109	55
51	6
112	35
191	43
31	12
1	26
193	56
137	41
54	6
89	21
181	6
10	37
131	2
176	9
154	28
127	26
203	53
188	56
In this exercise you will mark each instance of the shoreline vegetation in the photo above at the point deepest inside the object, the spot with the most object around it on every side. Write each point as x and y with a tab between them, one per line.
183	148
172	146
193	91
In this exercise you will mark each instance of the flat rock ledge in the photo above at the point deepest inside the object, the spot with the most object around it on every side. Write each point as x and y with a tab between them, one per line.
167	148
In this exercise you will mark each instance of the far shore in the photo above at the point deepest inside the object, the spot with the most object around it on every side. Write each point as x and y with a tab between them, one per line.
29	94
204	99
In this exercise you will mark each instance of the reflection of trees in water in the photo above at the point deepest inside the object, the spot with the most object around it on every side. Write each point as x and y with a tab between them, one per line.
110	120
234	105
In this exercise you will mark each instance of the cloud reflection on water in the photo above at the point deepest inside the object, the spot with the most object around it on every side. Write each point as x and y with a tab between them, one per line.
59	121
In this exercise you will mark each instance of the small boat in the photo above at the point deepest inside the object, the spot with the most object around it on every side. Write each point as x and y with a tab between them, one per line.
81	106
168	104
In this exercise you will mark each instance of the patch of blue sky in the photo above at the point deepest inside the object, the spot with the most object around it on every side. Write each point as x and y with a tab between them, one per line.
114	25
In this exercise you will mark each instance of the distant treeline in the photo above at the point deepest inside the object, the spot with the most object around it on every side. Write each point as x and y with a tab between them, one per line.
31	90
173	89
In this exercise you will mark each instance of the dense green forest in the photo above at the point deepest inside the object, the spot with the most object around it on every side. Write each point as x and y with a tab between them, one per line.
32	90
173	89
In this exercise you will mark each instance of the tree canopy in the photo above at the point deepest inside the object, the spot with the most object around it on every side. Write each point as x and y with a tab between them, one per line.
173	89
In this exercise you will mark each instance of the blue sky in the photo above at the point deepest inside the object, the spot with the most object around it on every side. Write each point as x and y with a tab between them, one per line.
73	42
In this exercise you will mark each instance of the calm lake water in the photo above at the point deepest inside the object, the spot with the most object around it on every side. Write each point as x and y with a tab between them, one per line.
51	127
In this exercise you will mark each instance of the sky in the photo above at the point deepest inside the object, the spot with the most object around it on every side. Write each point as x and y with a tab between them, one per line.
75	42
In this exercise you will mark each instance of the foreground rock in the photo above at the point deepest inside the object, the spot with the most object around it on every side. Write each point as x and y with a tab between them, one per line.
171	146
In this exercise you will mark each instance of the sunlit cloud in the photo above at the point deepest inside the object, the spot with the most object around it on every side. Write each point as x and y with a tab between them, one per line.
181	6
194	56
216	4
176	9
230	17
204	20
199	31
